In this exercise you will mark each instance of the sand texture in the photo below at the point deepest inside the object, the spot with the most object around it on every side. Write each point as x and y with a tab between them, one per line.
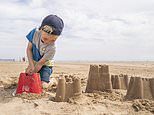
86	88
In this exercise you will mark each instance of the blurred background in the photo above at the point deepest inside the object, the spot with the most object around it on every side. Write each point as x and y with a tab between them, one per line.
95	30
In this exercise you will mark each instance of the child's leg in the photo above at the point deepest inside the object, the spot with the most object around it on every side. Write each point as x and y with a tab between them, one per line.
45	73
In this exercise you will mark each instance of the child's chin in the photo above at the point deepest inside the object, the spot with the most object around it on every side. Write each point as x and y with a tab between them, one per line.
50	42
46	42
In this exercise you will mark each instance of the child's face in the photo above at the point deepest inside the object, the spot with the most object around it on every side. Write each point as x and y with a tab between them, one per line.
46	38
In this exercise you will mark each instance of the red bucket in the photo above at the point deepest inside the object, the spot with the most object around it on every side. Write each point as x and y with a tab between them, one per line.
29	84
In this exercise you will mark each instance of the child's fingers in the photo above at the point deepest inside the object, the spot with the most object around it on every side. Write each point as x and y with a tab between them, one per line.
26	70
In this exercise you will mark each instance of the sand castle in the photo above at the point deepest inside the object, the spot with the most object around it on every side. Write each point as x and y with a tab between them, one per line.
140	88
120	81
137	88
99	79
1	86
68	86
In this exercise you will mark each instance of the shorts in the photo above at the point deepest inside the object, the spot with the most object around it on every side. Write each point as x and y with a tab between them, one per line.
45	73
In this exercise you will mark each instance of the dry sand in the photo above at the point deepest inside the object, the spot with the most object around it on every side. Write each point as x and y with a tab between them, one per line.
87	104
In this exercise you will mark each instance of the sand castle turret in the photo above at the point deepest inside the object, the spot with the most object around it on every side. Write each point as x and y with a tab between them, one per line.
140	88
1	86
68	87
120	81
60	93
77	87
99	79
152	86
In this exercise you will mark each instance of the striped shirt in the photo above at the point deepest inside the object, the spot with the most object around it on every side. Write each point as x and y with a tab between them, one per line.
39	49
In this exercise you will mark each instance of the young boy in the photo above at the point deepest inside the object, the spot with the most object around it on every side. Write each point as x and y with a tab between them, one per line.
41	47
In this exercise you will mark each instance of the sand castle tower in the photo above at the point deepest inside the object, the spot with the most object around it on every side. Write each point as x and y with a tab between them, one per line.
140	88
120	81
60	93
99	79
68	86
1	86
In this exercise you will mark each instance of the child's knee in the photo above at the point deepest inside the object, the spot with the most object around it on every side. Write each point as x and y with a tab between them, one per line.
45	74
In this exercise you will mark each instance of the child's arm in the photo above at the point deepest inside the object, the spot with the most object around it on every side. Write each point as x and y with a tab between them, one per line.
39	65
47	56
30	58
33	68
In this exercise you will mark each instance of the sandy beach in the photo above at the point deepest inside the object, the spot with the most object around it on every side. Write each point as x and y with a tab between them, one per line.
101	103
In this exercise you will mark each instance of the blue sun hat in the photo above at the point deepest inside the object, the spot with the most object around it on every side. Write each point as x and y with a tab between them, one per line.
55	22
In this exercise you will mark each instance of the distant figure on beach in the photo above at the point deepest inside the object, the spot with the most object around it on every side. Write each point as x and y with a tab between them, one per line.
23	59
41	47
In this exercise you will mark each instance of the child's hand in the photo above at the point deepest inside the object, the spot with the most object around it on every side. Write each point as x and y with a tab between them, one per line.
30	70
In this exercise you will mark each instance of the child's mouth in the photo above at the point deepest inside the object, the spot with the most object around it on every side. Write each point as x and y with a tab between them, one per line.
44	39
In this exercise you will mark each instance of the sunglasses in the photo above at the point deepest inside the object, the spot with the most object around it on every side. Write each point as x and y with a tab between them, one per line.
47	29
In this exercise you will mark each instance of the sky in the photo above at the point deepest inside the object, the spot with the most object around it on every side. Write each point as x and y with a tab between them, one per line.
95	30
